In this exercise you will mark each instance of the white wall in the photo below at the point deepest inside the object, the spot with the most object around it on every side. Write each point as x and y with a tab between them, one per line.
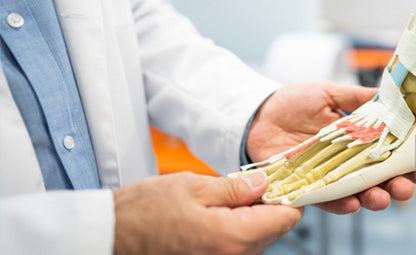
359	15
247	27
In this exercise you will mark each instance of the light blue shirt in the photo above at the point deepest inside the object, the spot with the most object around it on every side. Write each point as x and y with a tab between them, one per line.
244	158
39	73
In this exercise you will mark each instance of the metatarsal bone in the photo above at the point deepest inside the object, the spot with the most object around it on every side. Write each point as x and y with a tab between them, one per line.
309	152
353	164
323	169
318	158
334	162
347	167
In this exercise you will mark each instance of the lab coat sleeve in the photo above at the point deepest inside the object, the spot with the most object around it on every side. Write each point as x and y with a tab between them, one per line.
63	222
195	89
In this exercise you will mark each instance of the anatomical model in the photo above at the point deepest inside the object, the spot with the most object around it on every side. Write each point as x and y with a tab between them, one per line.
373	144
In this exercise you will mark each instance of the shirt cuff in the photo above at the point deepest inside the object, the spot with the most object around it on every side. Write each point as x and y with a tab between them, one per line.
244	158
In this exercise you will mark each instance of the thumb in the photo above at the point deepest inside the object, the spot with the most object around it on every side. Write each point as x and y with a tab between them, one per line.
234	192
349	98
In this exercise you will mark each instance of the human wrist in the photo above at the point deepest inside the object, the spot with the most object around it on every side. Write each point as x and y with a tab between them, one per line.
126	234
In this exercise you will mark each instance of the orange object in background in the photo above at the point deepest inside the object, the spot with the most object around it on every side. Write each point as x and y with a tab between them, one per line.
172	155
369	64
367	58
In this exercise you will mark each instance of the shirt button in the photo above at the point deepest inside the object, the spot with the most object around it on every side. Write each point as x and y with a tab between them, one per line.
69	142
15	20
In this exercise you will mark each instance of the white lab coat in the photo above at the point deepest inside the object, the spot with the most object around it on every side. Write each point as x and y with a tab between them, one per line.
134	61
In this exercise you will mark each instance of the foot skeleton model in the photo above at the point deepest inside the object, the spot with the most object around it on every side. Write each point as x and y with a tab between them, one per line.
373	144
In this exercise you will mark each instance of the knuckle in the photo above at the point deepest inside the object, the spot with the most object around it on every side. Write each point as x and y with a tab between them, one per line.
232	190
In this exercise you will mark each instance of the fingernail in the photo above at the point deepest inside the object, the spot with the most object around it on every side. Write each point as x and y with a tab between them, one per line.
255	180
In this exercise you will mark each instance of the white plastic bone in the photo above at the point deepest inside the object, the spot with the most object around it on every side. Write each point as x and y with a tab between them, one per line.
401	161
295	176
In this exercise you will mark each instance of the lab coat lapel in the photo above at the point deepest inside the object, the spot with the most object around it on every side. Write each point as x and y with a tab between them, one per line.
84	32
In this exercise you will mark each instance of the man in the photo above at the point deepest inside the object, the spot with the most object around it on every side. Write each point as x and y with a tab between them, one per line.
80	81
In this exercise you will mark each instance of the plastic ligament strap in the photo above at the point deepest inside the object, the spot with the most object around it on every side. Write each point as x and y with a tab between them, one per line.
406	48
399	73
391	109
387	106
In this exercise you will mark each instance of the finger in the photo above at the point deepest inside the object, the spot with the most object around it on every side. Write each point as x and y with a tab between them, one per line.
400	188
349	98
233	192
345	205
411	176
262	221
374	199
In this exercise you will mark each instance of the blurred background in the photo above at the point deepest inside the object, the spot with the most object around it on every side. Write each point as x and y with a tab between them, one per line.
309	40
280	37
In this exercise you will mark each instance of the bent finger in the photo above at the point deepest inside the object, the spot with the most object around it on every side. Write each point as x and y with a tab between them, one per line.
233	192
263	221
350	204
410	176
349	98
374	199
400	188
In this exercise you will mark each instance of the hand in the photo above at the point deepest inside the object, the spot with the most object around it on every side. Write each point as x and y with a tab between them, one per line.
186	213
296	112
377	198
